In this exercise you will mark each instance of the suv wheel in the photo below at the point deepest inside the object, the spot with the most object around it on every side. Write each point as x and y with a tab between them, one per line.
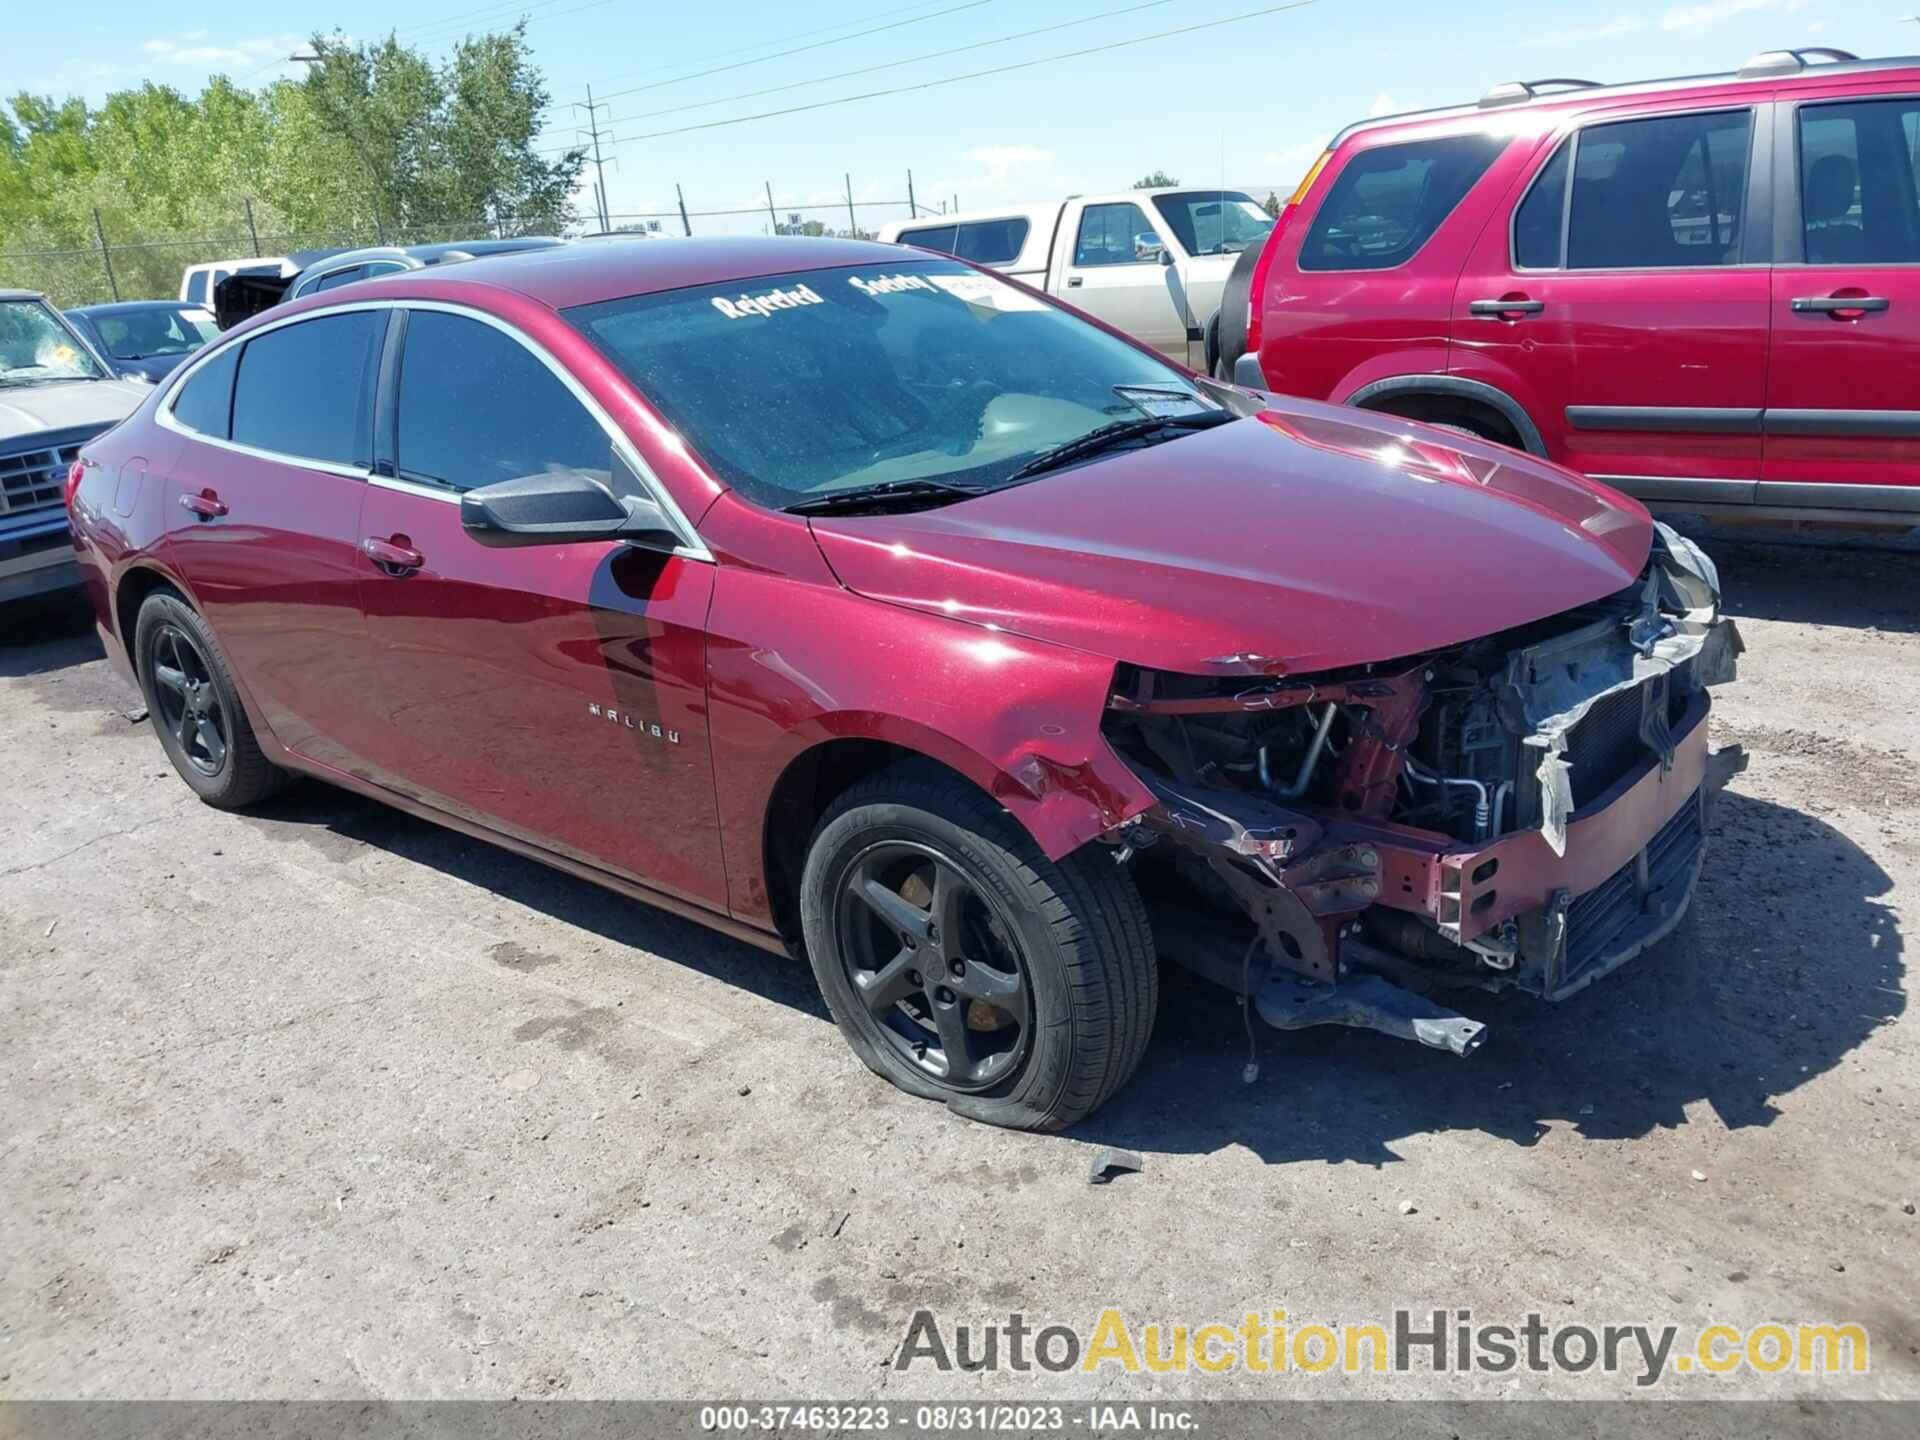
963	965
195	711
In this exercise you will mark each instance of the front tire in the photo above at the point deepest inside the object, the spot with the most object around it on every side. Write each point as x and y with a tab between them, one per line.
194	707
964	966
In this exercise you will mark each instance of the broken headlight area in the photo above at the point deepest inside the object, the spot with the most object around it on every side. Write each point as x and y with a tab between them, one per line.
1527	809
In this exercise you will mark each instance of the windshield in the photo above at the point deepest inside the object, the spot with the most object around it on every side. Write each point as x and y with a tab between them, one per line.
801	385
1214	222
143	334
37	346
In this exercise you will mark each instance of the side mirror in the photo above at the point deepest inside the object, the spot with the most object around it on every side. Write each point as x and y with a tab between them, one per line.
560	508
1166	256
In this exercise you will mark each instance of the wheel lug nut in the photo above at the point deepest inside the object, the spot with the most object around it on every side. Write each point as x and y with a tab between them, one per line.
958	968
943	995
913	978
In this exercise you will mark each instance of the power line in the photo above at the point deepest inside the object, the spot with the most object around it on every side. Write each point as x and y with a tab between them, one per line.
490	12
439	34
957	79
796	35
797	50
896	64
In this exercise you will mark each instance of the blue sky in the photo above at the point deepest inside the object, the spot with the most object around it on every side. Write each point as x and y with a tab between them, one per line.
1247	103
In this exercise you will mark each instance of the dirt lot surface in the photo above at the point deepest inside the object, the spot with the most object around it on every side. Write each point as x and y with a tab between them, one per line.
325	1102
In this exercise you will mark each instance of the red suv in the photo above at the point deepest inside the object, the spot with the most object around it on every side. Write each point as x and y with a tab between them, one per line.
1703	291
872	605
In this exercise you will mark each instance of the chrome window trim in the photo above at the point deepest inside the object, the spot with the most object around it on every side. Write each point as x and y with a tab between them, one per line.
691	546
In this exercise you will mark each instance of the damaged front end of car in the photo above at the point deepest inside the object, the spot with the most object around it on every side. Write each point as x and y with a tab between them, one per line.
1526	809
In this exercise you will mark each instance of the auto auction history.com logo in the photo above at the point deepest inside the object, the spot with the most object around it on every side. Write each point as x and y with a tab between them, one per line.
1432	1342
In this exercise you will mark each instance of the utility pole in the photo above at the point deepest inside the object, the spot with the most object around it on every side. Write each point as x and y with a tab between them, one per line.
853	225
772	218
101	231
913	212
251	230
599	169
685	223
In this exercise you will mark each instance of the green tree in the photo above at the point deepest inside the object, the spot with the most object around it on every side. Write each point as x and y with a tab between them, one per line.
1158	180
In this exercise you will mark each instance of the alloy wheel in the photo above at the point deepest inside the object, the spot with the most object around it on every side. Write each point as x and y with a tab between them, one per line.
186	702
935	965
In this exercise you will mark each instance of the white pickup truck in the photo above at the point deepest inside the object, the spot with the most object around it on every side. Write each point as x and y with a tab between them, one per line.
1149	262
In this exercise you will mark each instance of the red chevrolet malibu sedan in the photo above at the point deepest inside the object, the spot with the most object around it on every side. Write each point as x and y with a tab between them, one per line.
861	603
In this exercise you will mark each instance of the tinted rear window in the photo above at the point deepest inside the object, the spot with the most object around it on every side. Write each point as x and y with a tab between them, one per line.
938	237
205	402
991	242
1388	202
306	390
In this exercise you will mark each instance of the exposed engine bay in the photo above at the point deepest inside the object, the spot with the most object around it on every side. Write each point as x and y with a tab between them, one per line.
1525	809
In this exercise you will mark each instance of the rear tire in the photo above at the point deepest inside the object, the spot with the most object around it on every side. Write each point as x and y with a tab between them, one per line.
195	709
1038	976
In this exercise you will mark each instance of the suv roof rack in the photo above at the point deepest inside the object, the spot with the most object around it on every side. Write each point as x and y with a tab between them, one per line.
1513	92
1790	62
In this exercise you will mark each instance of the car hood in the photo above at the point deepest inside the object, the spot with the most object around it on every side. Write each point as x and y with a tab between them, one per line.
66	405
1305	538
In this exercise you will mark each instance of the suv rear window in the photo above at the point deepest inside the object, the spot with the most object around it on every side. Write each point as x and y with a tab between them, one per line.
1661	193
1860	182
1388	202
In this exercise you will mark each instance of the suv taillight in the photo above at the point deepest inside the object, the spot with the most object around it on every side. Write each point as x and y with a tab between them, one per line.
1257	282
74	472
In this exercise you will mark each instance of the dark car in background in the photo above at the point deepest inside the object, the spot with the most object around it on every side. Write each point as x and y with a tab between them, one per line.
145	339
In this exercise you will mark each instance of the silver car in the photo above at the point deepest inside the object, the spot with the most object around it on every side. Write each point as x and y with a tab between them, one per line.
55	395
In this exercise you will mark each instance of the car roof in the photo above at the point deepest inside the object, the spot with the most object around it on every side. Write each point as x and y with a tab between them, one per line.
129	307
612	269
1770	69
21	295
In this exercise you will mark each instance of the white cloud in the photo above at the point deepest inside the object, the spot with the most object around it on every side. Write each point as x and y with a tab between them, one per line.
1000	175
186	50
1290	163
1382	105
1586	34
1693	19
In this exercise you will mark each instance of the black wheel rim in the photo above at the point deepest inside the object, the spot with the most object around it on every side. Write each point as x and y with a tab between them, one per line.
185	700
934	965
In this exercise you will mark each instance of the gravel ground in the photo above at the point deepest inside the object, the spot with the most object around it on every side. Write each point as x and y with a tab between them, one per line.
325	1102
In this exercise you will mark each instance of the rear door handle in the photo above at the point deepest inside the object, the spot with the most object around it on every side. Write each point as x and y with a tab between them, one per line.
1505	309
206	505
1075	281
1841	304
393	558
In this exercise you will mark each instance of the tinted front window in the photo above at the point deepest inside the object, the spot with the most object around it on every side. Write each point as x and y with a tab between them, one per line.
205	402
991	242
197	287
1214	222
939	237
1116	235
794	385
1387	202
475	406
1536	226
1661	193
1858	182
306	390
338	278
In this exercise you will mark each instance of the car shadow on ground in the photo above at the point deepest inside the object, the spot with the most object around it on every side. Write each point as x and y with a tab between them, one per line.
1788	960
46	634
340	824
1855	585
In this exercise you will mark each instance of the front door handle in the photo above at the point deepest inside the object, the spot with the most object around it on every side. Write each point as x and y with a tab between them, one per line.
394	556
206	505
1841	307
1505	309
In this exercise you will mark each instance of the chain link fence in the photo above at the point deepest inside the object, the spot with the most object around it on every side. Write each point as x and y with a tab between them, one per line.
134	266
